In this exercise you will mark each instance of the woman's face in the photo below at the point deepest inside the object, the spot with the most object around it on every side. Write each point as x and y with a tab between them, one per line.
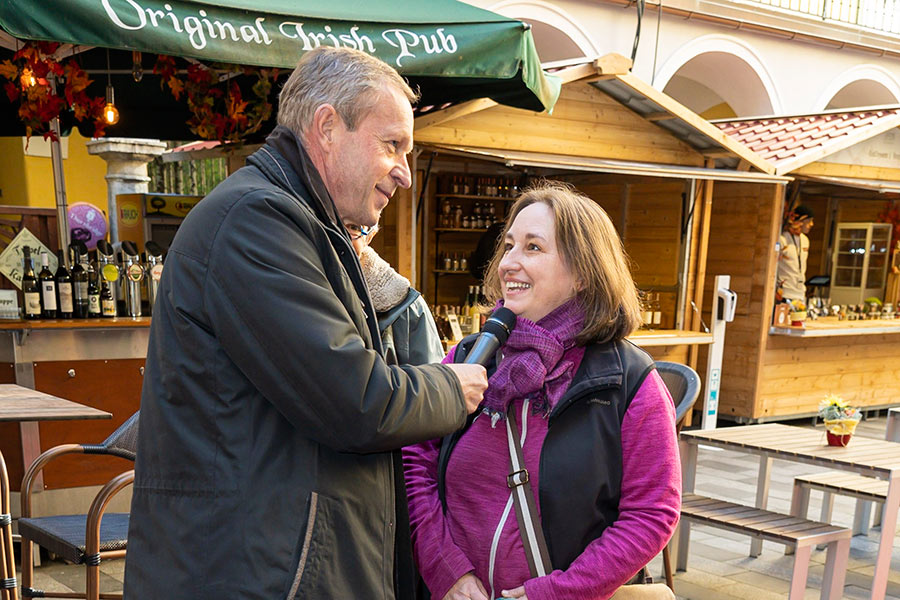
533	275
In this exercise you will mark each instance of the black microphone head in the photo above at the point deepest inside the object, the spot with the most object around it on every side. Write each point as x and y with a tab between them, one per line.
501	323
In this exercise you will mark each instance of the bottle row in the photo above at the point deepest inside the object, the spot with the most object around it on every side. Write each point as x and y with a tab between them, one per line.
101	283
503	187
651	310
481	216
453	261
457	321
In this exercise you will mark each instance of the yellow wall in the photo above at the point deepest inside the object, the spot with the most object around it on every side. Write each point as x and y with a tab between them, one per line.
28	180
12	169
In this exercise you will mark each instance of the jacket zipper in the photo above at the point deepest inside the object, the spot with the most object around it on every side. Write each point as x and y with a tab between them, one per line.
307	539
495	542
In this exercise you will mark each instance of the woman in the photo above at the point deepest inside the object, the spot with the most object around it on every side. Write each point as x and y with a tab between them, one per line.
598	424
408	331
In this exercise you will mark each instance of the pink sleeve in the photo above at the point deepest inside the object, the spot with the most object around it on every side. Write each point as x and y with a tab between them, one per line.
439	559
649	506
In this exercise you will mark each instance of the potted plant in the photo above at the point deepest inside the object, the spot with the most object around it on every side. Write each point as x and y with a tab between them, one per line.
798	313
840	419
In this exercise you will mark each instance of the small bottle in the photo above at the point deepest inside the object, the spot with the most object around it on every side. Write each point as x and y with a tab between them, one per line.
455	264
48	289
457	217
463	263
107	302
31	289
646	311
465	222
657	312
94	310
448	262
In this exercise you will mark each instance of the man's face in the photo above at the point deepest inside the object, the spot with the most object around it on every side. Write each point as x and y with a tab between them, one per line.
366	166
801	224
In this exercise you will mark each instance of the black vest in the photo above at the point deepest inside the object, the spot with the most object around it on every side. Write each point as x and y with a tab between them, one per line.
581	459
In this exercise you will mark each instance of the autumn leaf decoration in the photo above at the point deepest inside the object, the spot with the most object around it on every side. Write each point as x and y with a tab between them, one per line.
28	81
219	110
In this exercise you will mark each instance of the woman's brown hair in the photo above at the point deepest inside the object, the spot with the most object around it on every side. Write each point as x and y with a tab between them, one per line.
592	250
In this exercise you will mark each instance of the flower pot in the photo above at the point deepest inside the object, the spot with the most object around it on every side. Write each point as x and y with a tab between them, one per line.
838	440
797	318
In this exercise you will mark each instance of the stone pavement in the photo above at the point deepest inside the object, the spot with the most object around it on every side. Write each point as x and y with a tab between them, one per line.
718	565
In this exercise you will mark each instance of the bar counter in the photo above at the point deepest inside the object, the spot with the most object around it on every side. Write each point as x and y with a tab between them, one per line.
95	362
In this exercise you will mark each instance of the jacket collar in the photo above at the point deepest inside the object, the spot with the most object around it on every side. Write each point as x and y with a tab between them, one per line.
290	167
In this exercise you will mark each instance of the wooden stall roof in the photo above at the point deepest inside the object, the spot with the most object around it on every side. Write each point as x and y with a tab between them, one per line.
604	112
794	142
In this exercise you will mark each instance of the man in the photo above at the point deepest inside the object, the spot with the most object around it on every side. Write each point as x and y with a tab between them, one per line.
791	271
267	464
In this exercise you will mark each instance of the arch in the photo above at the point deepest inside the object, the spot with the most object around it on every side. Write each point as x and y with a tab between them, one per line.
748	87
871	81
538	11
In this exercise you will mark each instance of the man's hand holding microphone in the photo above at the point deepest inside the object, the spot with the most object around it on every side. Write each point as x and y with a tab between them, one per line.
472	373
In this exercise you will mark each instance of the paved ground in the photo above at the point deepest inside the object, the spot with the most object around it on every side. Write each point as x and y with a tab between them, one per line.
718	566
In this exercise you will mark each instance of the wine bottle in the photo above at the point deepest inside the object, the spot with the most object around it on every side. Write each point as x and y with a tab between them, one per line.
48	289
93	290
657	312
79	282
30	287
64	288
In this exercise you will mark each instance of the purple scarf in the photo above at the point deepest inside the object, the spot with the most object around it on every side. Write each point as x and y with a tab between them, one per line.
539	361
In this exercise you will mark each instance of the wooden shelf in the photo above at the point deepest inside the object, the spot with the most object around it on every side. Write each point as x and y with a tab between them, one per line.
459	229
669	337
446	272
476	197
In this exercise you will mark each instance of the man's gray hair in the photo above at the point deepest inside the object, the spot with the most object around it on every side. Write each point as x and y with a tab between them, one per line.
349	80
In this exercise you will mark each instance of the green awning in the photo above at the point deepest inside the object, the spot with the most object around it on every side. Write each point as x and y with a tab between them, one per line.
452	50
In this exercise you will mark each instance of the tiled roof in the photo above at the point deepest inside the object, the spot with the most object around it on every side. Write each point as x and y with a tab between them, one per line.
786	139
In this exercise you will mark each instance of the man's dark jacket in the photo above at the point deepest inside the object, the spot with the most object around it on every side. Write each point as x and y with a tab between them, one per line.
269	419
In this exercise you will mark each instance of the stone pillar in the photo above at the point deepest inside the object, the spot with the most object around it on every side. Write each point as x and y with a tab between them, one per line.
126	169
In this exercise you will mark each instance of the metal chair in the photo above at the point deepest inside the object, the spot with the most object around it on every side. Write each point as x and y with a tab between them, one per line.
7	562
684	386
80	539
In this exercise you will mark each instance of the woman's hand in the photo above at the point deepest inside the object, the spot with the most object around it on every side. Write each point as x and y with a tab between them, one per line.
467	587
518	593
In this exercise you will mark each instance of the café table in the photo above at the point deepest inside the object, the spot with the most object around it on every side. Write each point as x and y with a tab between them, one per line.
866	456
24	405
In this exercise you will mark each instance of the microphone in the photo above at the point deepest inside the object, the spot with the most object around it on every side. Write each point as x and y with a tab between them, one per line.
494	334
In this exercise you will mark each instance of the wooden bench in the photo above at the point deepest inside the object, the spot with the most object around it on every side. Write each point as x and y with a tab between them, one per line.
866	490
796	532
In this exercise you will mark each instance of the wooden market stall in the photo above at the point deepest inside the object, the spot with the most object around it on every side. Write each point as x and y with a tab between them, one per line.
649	161
845	165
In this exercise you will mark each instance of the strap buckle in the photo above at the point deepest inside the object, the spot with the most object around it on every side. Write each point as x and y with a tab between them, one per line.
517	478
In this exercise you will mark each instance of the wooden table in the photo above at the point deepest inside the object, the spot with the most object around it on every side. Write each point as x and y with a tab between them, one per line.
22	404
869	457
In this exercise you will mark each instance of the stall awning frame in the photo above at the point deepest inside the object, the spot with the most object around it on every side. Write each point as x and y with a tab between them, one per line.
513	158
611	75
874	185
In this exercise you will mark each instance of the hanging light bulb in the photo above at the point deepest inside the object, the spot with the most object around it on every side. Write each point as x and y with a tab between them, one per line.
110	112
137	69
28	78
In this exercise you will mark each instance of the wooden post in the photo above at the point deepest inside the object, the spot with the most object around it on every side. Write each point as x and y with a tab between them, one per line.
700	268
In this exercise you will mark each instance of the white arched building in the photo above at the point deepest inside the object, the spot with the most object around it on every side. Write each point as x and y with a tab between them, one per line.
731	59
